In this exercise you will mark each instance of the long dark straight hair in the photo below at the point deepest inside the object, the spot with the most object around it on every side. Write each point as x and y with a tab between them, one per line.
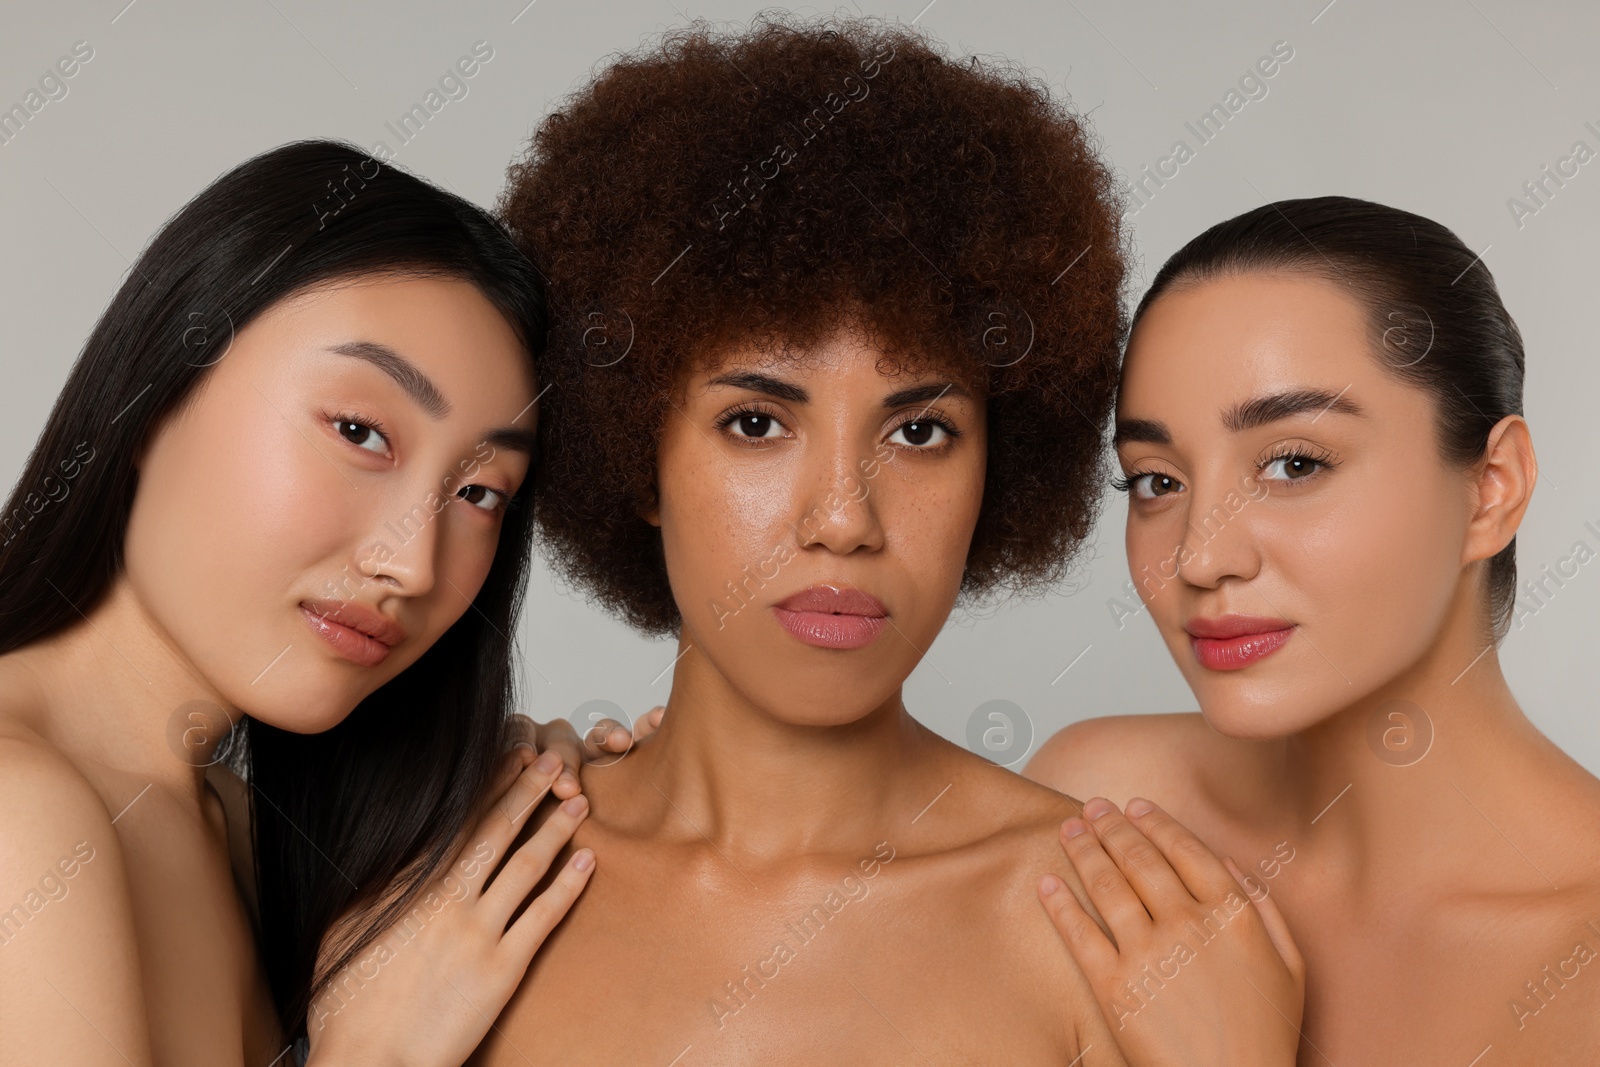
341	816
1433	312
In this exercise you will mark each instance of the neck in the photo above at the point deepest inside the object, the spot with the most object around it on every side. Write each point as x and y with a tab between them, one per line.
1440	761
111	692
751	783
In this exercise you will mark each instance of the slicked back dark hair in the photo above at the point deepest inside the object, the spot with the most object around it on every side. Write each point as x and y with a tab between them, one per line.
1433	311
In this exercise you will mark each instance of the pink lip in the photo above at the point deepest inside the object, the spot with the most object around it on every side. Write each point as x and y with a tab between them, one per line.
360	634
832	616
1233	642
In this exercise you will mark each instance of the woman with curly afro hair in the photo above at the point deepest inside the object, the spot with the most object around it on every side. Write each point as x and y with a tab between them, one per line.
835	328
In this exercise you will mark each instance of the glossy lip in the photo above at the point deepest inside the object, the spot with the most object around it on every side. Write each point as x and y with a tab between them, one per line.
830	615
1233	642
360	634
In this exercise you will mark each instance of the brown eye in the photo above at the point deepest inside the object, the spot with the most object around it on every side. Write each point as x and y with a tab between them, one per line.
1150	486
751	424
481	496
755	425
361	435
1292	467
920	433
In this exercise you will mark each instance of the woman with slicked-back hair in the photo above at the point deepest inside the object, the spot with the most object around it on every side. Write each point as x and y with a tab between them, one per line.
1321	436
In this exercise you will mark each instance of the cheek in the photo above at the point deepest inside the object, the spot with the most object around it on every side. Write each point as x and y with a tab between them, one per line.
1377	571
465	554
931	523
928	518
718	520
1151	544
233	507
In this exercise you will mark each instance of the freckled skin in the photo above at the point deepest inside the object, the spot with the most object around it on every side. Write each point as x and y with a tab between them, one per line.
1428	882
783	772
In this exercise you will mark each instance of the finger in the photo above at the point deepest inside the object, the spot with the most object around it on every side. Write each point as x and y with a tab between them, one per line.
1204	875
1272	919
1083	936
649	723
532	859
606	736
559	737
523	730
512	764
1145	868
1105	883
548	908
504	819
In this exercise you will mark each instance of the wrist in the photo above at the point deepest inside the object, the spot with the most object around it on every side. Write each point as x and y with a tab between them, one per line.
327	1051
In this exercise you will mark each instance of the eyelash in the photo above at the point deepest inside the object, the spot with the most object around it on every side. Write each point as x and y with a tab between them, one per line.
374	425
728	418
1323	459
377	427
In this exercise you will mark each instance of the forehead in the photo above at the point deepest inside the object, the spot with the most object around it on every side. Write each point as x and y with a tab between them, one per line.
1208	345
445	327
842	356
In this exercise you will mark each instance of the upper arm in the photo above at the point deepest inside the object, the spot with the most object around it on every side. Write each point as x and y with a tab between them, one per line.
69	969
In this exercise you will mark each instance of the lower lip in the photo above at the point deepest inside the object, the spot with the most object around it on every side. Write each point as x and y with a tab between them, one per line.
353	645
831	631
1237	653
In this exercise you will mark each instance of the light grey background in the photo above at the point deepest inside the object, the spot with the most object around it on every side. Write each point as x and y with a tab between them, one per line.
1445	108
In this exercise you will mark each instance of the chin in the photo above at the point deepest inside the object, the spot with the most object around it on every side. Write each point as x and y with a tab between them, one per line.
1252	712
306	710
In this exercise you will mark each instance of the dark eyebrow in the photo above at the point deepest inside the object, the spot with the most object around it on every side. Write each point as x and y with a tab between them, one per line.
930	392
1261	410
1257	411
403	371
757	382
1148	431
512	438
766	383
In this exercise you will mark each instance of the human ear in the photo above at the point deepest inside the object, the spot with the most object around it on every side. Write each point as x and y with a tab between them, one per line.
651	512
1505	477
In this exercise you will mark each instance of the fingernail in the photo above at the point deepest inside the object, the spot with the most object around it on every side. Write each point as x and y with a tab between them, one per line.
1139	806
583	860
573	805
547	762
1049	884
520	745
1097	807
1073	827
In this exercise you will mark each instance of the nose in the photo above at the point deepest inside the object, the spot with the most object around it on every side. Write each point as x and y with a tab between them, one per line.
401	552
838	506
1218	542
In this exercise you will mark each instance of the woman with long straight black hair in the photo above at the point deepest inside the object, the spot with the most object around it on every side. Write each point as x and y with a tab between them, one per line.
278	519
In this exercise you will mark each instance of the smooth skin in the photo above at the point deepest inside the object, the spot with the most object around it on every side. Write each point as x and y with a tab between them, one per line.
789	784
127	936
1436	858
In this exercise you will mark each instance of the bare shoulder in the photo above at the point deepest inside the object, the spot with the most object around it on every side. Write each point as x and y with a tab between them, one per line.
1120	756
45	798
1022	851
66	918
